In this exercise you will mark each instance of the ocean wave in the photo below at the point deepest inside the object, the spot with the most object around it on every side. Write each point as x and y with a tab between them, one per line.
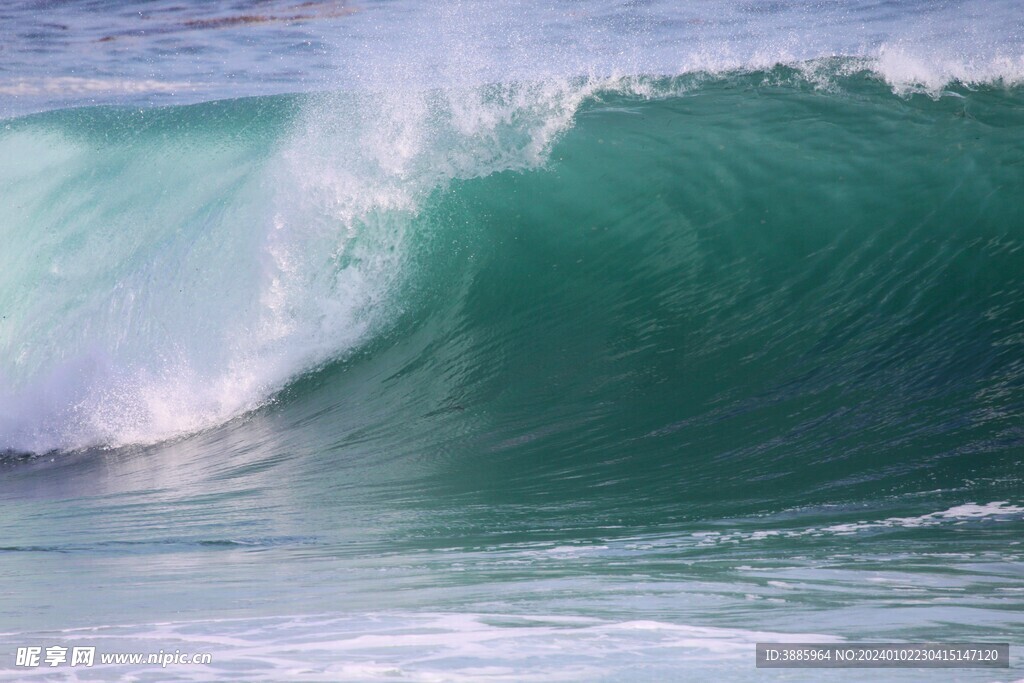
171	269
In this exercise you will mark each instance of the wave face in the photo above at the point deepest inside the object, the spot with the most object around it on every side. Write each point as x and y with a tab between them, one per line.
834	254
631	365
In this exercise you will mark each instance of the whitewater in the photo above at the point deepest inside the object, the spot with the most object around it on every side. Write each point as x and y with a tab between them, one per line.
509	341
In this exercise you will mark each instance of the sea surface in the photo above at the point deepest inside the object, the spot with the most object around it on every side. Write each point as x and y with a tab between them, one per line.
512	340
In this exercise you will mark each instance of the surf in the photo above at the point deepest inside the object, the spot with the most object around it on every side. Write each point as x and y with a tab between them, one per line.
170	269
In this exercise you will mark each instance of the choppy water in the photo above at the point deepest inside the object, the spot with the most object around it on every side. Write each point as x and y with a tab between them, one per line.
584	341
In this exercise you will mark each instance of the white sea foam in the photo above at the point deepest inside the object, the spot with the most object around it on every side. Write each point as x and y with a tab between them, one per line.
912	69
996	512
425	647
217	286
76	85
968	511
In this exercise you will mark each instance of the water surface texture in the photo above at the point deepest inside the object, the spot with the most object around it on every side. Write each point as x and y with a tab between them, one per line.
509	341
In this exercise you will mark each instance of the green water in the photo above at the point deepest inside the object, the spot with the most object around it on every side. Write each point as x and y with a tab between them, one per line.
740	353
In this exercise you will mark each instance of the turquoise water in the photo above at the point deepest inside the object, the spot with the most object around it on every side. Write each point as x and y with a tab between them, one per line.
572	377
